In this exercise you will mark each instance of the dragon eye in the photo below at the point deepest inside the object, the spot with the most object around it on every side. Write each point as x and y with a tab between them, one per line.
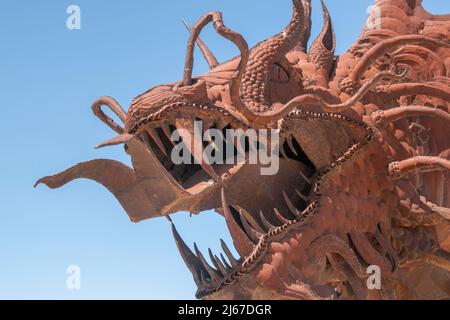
279	74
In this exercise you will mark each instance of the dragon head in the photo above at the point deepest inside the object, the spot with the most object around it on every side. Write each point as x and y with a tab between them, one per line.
291	229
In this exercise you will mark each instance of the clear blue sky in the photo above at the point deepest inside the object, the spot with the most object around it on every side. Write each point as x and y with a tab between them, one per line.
49	76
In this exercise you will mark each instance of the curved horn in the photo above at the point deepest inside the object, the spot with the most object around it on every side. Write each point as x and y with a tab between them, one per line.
381	117
265	55
257	65
400	169
315	100
322	49
302	44
207	54
115	107
241	44
384	46
236	38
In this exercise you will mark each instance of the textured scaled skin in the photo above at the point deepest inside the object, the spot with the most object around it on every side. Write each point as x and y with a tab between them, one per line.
364	167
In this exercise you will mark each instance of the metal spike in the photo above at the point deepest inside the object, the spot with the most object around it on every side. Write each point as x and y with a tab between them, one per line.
188	125
207	54
225	262
210	171
280	217
211	271
235	263
146	139
283	151
265	222
241	241
296	139
223	267
120	139
302	196
308	180
251	220
291	146
155	136
291	206
217	263
252	233
166	130
192	262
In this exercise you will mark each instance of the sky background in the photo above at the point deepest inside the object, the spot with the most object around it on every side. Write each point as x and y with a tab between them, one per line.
49	76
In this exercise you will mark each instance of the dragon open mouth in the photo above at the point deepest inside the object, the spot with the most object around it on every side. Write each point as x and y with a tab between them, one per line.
248	223
197	175
277	203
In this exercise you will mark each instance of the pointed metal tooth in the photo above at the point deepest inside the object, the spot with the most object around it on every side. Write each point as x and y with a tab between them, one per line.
187	131
195	147
146	139
291	206
291	146
280	217
235	263
210	171
225	263
302	196
155	136
190	259
222	267
265	222
282	151
308	180
251	220
252	233
241	241
296	138
213	274
166	130
212	257
217	263
120	139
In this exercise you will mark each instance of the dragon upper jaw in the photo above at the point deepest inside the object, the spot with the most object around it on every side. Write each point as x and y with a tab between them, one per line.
246	217
250	225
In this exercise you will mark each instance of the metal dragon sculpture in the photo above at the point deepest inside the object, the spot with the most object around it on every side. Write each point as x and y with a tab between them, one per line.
364	160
